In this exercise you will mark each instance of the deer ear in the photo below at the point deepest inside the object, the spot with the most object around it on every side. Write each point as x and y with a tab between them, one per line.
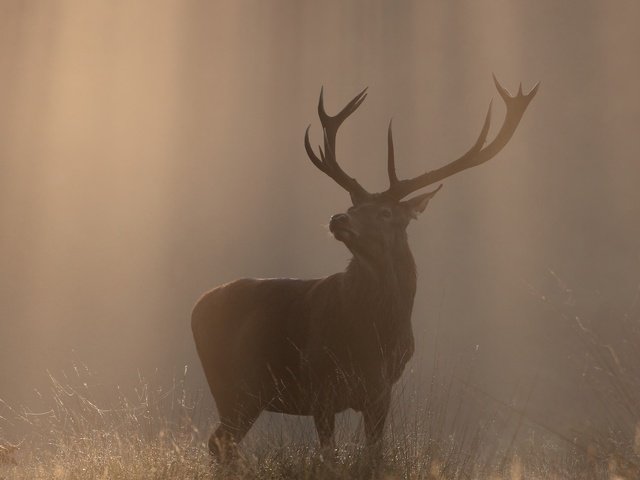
416	205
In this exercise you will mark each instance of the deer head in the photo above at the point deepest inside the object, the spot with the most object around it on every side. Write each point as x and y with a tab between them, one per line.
375	230
377	219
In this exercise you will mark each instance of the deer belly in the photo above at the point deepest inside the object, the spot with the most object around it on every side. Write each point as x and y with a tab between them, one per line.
305	397
326	380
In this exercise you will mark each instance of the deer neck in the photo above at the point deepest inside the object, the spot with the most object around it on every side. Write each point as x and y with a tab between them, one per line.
385	287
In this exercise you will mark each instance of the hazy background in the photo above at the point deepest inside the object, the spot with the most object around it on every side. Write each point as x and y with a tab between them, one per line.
152	150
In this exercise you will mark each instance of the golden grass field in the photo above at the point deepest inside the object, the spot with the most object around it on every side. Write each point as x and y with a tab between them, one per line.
160	432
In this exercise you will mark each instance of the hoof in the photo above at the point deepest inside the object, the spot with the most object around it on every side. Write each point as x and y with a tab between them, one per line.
222	451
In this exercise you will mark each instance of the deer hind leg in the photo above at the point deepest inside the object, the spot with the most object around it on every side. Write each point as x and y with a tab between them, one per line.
236	418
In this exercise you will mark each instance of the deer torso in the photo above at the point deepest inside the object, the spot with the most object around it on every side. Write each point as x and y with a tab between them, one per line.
297	342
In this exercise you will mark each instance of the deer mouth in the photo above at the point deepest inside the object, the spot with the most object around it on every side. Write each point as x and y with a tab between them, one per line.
342	234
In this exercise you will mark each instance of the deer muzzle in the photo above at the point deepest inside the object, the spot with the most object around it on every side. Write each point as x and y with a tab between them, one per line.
341	228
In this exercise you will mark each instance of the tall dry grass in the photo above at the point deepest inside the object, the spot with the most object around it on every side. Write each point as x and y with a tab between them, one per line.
607	351
159	431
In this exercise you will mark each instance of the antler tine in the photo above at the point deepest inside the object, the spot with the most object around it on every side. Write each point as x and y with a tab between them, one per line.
347	110
327	162
391	162
478	154
312	155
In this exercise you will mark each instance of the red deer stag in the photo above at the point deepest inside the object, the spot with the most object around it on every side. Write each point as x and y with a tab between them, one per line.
317	347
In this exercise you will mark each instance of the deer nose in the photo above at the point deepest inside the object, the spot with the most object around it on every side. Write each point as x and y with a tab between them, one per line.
339	220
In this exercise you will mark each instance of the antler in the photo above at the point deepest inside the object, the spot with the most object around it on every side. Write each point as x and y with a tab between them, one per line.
327	162
516	107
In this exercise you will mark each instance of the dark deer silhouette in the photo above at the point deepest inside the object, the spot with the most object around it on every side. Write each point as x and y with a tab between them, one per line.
317	347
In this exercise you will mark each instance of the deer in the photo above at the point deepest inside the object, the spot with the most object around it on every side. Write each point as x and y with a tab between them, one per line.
317	347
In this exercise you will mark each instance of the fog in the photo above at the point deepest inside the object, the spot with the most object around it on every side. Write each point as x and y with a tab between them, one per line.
150	151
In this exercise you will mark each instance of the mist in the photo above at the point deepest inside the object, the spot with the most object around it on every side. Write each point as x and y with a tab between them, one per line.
150	151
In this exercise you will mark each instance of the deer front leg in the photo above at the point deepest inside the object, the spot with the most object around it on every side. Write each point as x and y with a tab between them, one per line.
324	420
375	415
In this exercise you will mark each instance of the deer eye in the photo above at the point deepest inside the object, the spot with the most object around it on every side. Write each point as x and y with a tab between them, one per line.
384	213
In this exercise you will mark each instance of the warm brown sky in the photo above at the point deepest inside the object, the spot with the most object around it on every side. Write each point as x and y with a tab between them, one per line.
151	150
